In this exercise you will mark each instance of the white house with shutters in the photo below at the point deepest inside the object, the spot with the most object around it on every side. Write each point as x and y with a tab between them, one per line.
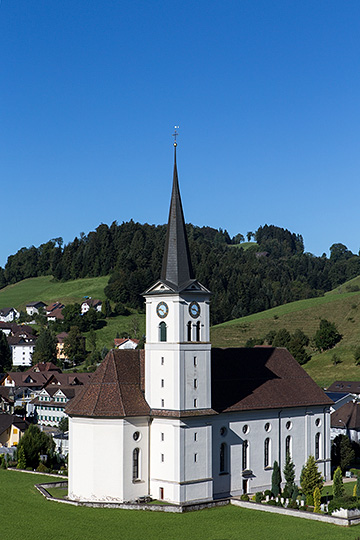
185	422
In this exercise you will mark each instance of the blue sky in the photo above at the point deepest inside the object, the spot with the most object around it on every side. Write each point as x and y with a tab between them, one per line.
266	94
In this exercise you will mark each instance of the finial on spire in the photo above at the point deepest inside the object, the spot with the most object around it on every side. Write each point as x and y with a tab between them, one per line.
175	134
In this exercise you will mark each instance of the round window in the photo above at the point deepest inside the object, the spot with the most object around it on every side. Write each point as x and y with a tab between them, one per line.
223	431
136	436
245	429
288	425
267	426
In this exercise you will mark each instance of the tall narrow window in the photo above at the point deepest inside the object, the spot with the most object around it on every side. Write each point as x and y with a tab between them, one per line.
163	403
198	331
267	452
223	457
195	361
162	361
245	448
136	455
195	403
317	446
195	383
189	331
162	327
162	383
288	445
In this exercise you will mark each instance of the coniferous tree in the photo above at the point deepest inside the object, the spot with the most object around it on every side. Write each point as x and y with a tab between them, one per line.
45	348
357	486
310	478
317	500
338	485
5	353
21	464
276	480
289	475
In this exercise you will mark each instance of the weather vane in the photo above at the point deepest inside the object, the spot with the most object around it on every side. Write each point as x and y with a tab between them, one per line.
175	134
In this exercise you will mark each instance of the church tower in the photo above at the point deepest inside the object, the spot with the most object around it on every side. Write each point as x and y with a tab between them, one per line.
178	367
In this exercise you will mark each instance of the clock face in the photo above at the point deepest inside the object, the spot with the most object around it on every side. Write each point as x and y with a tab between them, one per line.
162	310
194	310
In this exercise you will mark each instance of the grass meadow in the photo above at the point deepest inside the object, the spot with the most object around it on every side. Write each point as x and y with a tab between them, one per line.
26	514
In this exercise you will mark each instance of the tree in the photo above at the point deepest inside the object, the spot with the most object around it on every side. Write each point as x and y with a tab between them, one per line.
5	353
282	338
317	500
338	486
327	336
45	348
92	338
34	443
249	235
342	453
357	487
276	480
21	464
238	238
289	475
310	478
74	346
64	424
72	316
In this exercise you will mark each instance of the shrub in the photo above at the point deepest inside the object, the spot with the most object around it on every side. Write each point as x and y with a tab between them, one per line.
338	486
292	504
42	468
310	500
348	503
276	479
268	493
272	502
259	496
317	500
244	497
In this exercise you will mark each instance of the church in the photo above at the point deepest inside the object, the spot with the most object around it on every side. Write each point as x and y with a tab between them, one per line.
181	422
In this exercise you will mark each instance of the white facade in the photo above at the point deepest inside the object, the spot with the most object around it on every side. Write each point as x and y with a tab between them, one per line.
22	353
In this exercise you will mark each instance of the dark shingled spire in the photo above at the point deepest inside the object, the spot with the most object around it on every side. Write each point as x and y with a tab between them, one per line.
176	267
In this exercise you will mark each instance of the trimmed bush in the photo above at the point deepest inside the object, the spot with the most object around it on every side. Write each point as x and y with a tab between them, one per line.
259	496
244	497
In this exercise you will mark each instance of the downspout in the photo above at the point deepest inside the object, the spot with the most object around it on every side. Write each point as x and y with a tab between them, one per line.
279	442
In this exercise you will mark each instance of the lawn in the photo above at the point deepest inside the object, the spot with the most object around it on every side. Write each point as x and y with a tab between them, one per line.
45	288
30	516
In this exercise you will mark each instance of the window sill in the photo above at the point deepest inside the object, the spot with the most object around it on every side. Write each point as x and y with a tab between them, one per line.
224	474
138	481
268	468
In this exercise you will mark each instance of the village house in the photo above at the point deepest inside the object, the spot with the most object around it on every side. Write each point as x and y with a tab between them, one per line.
90	303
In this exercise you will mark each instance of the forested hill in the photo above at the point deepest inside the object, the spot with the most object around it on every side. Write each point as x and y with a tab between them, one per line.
272	272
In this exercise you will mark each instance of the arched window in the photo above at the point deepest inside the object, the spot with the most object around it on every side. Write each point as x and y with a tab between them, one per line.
162	327
245	452
317	446
189	331
136	464
223	458
267	452
288	445
198	331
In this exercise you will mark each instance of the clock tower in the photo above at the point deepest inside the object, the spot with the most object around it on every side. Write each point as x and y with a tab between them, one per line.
177	325
178	371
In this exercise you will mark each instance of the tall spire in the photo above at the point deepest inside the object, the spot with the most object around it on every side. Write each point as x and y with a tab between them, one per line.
176	267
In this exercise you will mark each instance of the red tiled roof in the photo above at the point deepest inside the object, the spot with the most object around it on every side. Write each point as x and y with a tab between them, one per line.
120	341
44	366
114	390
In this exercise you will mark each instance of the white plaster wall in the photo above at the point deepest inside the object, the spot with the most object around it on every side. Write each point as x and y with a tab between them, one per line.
93	476
303	430
18	356
181	460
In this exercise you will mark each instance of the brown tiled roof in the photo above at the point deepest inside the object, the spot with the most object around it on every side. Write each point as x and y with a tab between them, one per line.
114	390
20	379
44	366
69	391
7	420
69	379
5	394
351	387
261	378
347	416
120	341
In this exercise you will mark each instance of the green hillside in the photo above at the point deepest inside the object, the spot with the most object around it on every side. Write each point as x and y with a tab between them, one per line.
339	306
46	289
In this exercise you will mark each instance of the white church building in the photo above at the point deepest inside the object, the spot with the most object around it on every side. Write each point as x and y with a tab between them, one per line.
186	423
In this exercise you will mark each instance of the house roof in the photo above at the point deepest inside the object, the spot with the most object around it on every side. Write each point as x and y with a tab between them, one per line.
7	420
261	378
6	310
120	341
116	389
347	416
34	304
91	302
69	391
17	340
57	313
351	387
242	379
44	366
14	327
5	394
61	337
